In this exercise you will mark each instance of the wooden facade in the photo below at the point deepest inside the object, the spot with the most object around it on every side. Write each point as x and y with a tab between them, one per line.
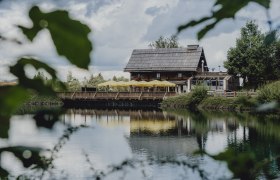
161	75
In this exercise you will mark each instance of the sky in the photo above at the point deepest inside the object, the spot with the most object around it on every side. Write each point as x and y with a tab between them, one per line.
118	27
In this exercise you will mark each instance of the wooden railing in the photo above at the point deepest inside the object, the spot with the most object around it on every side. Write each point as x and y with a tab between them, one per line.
114	95
231	94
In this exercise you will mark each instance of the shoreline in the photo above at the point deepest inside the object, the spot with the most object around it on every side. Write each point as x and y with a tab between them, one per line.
212	103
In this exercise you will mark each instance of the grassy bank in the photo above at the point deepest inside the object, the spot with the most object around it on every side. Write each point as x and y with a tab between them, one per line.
198	99
44	100
210	103
190	100
36	103
242	103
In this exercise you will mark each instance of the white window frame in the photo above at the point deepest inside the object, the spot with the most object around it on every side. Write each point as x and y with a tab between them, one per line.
158	75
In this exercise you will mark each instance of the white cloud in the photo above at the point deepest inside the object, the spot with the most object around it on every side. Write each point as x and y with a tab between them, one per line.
216	48
119	26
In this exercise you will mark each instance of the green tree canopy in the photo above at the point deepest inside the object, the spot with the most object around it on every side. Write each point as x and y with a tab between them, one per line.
95	80
72	83
164	42
120	78
252	58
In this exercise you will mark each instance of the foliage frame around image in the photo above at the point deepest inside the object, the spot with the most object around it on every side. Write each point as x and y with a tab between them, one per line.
71	40
221	10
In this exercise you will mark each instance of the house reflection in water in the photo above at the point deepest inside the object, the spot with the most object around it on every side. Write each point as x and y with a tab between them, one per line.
161	135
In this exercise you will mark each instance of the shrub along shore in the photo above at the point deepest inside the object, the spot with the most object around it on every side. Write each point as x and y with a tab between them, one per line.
268	98
38	103
44	100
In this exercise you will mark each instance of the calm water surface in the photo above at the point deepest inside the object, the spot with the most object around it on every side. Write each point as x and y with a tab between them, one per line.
145	144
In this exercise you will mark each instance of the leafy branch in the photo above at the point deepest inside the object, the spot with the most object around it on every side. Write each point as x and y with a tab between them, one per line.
137	163
70	36
71	40
222	9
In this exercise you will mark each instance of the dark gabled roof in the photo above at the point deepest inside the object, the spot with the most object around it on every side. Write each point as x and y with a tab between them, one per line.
165	59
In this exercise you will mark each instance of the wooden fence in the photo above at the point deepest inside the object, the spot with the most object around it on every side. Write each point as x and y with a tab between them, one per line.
232	94
114	95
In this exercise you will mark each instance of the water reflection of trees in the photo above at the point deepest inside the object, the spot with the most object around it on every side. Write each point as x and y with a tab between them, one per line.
163	135
259	138
256	135
246	135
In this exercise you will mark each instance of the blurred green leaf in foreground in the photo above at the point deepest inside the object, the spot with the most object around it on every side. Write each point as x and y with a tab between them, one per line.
222	9
71	40
70	36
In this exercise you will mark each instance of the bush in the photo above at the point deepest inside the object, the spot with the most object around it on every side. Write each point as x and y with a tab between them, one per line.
246	101
190	100
269	92
197	95
179	101
199	98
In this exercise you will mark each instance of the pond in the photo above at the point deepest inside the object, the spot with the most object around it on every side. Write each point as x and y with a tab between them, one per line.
145	144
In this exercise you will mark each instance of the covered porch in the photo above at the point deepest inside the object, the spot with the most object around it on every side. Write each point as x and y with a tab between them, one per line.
212	81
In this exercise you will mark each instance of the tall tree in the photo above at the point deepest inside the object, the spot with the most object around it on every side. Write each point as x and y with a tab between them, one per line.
164	42
276	63
252	58
95	80
72	83
114	78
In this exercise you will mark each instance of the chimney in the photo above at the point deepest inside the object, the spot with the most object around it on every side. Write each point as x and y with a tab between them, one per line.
192	47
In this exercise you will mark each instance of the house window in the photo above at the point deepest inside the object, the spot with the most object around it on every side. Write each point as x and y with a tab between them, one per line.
158	75
180	75
214	83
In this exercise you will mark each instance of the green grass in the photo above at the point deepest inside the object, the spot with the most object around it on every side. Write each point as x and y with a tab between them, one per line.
232	103
43	100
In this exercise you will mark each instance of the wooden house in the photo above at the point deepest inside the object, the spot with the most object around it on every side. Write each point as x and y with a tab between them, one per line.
186	67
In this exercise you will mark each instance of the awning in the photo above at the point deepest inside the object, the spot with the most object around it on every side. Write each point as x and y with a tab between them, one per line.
108	83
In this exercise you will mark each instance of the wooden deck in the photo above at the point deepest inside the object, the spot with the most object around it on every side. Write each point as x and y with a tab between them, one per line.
91	96
126	99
